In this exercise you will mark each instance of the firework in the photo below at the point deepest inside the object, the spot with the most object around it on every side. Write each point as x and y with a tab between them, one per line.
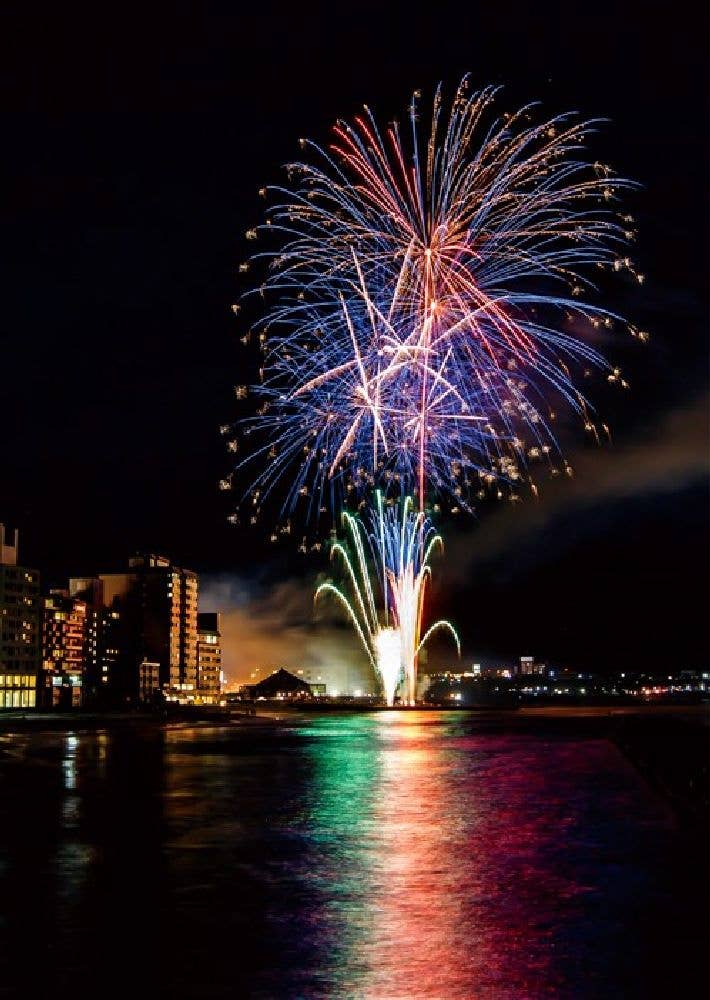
430	303
430	306
398	545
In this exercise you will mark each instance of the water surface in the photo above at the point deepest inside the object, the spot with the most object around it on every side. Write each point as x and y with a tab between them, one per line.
384	855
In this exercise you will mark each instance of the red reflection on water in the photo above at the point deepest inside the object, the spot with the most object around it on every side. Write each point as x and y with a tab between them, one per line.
460	867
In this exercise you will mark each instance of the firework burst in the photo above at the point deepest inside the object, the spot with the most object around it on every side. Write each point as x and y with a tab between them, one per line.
430	300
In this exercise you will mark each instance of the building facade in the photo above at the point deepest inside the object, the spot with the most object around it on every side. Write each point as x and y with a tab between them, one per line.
19	627
209	658
67	637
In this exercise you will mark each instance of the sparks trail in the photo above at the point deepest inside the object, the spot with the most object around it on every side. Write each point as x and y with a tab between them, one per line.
384	588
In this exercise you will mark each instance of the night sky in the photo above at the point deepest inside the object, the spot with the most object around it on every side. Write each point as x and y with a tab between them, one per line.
134	146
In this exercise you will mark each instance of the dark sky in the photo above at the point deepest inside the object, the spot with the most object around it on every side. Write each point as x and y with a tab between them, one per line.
135	140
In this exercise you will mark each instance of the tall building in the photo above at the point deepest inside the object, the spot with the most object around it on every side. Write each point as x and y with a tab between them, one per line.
209	658
146	616
162	600
67	649
19	627
112	655
102	627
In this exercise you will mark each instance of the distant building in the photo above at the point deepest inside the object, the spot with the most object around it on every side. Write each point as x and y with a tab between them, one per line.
113	661
19	627
492	689
66	650
148	682
309	676
529	667
209	658
280	684
145	615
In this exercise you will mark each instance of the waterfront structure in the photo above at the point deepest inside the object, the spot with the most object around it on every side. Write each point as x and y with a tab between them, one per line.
148	682
209	658
281	685
146	615
19	626
68	644
162	600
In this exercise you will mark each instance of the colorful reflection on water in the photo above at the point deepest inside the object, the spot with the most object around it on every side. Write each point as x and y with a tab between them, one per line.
388	855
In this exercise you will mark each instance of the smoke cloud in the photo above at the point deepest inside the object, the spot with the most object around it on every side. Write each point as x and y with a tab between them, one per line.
669	457
265	628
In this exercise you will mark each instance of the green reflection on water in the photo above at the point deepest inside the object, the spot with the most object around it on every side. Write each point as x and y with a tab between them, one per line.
338	818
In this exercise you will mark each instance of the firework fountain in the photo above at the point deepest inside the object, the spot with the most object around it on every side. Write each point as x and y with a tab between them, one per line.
399	543
432	308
